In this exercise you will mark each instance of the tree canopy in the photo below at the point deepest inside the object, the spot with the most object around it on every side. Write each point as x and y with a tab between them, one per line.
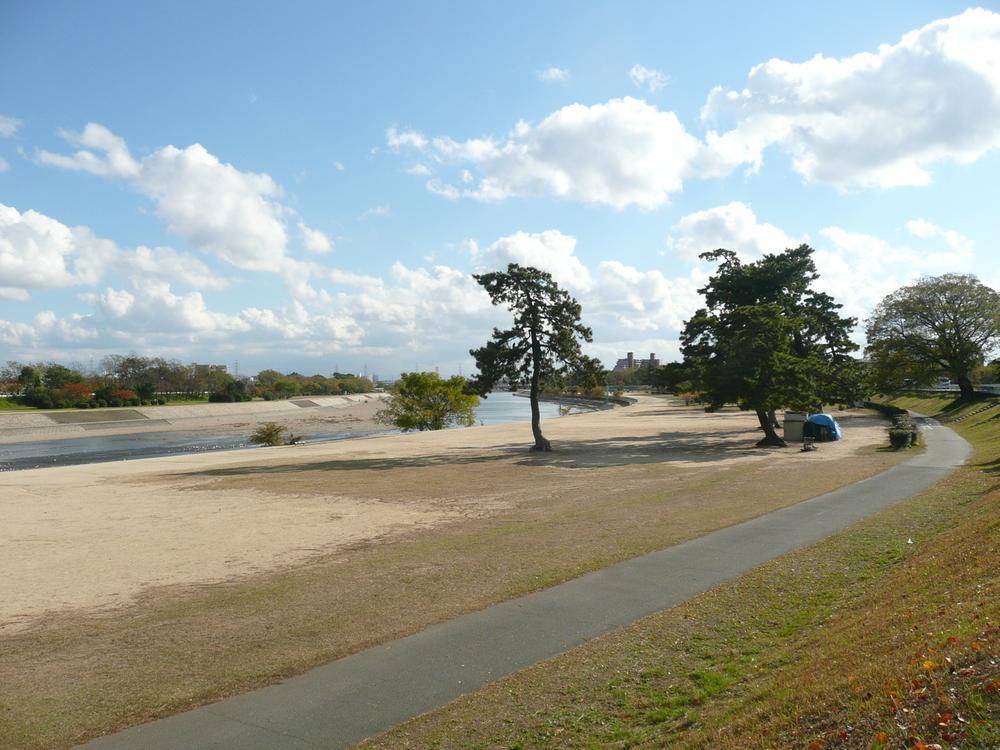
768	340
544	340
938	326
425	401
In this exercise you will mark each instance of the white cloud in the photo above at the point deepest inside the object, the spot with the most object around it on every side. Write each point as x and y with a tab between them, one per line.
443	189
733	226
652	79
550	251
36	251
111	160
927	231
339	166
170	265
375	212
860	269
4	165
397	139
9	126
622	153
14	293
857	269
874	118
552	74
628	303
314	240
220	210
420	170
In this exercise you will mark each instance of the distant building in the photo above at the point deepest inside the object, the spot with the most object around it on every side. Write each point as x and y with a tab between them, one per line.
207	369
631	363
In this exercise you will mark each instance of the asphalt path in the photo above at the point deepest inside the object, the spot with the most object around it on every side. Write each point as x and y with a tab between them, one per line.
342	703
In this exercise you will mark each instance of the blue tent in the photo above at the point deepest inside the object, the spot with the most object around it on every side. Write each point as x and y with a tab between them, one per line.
823	421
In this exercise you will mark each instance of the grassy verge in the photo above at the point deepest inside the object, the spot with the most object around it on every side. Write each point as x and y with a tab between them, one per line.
884	636
9	404
78	676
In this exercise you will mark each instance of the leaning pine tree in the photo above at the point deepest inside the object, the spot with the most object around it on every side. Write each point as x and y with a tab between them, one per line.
543	342
767	340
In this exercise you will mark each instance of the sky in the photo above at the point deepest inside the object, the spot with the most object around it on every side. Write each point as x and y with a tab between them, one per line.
310	186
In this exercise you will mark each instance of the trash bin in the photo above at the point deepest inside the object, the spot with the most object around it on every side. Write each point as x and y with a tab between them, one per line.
794	420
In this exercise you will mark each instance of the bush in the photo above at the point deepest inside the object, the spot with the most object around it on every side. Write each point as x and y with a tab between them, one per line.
269	433
161	401
900	437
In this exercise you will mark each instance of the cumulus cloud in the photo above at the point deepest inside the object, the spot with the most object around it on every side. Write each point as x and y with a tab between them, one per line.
397	139
550	251
103	153
650	78
39	252
733	226
856	268
219	209
420	170
875	118
859	269
4	165
622	153
14	293
552	74
314	240
170	265
9	126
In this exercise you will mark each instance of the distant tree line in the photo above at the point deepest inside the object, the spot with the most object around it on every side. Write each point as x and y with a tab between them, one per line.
133	380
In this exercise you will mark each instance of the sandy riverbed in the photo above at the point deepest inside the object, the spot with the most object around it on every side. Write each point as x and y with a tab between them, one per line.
103	535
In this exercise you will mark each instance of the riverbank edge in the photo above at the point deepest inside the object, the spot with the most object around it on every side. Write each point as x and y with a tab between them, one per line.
598	404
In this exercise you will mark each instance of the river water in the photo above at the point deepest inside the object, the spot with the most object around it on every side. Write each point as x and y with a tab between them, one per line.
499	408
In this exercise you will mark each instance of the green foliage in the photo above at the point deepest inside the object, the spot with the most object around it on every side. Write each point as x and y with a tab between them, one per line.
944	325
543	343
269	433
767	340
425	401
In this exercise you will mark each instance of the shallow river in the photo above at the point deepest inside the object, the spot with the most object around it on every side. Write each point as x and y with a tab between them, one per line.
499	408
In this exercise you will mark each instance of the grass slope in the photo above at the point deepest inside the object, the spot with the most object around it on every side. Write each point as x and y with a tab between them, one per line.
884	636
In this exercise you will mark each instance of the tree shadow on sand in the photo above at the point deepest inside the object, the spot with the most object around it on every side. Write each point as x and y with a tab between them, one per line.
666	447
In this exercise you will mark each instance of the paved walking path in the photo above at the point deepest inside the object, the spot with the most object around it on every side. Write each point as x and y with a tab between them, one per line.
342	703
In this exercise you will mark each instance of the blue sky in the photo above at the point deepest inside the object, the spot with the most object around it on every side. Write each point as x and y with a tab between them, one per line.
311	187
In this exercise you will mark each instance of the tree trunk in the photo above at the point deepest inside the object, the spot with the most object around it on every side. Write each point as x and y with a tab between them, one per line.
771	438
774	419
965	388
541	444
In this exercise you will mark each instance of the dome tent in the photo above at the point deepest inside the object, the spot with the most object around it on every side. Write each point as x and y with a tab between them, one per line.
821	427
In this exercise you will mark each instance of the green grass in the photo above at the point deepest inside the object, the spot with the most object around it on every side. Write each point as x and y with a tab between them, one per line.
9	404
883	636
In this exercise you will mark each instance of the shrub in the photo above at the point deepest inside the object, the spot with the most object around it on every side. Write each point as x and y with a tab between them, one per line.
101	403
900	437
269	433
161	401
